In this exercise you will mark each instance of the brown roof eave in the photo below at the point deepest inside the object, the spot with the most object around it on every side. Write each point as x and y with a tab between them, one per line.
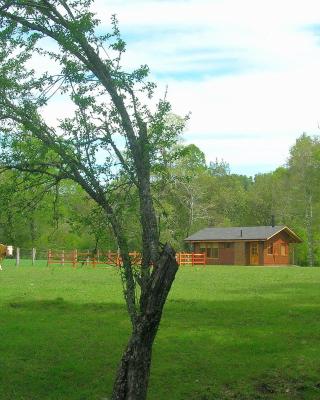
296	238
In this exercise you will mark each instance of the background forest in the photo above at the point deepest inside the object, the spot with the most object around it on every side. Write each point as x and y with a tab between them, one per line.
189	195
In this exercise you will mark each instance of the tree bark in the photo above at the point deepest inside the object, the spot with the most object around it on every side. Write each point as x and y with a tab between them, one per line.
133	374
309	226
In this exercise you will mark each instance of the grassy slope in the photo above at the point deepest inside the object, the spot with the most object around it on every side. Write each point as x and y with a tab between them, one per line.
227	333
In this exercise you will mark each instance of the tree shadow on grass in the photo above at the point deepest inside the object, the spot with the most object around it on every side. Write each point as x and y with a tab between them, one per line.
279	289
59	304
235	349
54	349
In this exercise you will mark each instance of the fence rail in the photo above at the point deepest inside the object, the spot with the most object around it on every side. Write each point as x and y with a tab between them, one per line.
191	258
77	258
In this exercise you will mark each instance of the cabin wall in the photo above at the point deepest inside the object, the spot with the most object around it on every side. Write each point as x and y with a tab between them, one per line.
225	257
261	253
238	253
247	253
240	257
280	250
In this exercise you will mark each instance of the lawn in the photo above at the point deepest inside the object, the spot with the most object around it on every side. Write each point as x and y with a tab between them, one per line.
227	333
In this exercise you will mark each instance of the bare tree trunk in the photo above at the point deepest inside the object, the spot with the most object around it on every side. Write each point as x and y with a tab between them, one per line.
309	226
32	229
191	214
133	375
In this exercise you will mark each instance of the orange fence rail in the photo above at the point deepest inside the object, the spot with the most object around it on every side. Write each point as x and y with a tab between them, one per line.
75	258
191	258
107	258
62	257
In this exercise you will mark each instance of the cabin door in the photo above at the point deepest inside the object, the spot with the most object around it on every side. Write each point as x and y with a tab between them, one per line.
254	253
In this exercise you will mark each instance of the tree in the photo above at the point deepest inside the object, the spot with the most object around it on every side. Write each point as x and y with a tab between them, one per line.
219	168
303	166
109	143
184	189
25	210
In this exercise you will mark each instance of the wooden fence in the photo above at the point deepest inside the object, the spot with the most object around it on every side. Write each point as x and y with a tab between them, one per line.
191	258
75	258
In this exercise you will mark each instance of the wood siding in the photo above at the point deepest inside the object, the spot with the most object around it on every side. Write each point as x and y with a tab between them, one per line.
226	255
239	252
240	256
281	239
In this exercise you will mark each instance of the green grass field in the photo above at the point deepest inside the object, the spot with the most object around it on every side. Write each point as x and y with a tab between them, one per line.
227	333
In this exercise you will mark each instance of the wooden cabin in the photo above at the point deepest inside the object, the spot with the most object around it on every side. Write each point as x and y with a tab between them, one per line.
254	245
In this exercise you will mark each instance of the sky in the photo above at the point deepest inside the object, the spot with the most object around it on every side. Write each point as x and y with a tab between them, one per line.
248	71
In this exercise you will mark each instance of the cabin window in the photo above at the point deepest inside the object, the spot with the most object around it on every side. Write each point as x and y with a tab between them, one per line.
213	250
227	245
202	249
270	249
283	249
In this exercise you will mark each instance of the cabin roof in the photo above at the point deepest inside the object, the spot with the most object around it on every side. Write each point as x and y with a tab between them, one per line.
241	233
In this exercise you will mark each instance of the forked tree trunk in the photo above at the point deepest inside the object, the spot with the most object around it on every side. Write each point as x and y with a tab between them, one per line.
133	375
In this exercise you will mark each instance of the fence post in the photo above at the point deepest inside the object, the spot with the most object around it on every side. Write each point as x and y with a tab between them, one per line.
34	251
88	258
192	259
18	257
75	258
118	257
62	258
205	258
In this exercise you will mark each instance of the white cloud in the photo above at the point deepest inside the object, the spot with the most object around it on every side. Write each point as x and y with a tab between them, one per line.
250	119
247	70
250	115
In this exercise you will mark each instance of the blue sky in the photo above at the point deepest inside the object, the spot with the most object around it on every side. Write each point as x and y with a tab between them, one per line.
248	71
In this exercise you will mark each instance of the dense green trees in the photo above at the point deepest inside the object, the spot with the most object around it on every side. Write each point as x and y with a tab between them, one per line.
189	195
